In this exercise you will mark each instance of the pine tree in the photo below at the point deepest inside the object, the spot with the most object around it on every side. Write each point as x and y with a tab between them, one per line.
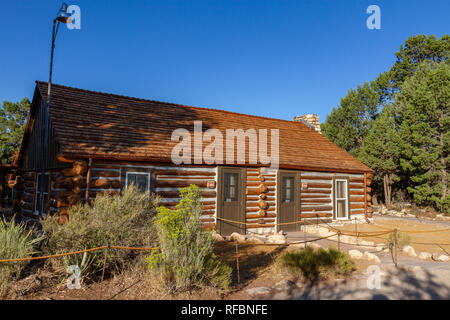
13	116
381	151
423	105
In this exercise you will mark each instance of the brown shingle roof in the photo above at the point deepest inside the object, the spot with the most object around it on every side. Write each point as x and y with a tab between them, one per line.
101	125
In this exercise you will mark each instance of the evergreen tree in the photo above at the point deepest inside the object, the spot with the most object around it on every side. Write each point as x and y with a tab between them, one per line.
423	105
350	122
13	116
381	152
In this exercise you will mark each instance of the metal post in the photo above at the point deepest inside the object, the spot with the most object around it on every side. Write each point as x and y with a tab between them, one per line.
104	261
237	262
396	247
46	120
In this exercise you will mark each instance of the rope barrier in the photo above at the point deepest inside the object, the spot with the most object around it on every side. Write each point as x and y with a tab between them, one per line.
73	253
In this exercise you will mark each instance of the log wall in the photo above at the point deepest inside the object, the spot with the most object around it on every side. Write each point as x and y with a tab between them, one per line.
68	187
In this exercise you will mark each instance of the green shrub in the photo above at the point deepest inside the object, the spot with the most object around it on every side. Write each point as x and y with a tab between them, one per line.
311	264
186	259
445	205
109	219
15	242
402	241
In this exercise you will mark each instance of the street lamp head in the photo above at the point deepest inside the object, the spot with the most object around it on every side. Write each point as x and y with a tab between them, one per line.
63	16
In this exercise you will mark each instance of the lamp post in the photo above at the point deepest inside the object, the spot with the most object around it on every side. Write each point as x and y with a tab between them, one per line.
61	17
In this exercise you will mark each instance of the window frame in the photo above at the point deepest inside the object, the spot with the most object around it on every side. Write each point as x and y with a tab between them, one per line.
345	198
148	174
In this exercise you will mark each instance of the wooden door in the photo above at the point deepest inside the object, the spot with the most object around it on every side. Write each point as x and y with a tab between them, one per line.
231	200
288	204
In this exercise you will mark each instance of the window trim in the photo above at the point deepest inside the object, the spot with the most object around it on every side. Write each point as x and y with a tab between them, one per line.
148	174
346	198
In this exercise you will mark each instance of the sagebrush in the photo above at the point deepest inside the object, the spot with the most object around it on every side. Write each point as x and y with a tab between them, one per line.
311	264
186	259
124	219
15	243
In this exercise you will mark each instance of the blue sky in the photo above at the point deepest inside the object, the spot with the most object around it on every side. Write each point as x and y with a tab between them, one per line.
270	58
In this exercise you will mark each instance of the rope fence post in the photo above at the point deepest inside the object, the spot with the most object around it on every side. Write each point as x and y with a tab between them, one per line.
356	228
396	247
339	240
237	261
104	261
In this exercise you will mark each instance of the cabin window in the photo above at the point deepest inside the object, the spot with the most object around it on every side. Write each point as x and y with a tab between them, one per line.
230	187
287	189
37	199
341	198
140	179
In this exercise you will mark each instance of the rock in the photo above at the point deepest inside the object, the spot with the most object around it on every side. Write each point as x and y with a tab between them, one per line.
216	236
237	237
440	257
276	239
425	255
355	254
380	247
258	291
409	251
255	240
284	285
371	257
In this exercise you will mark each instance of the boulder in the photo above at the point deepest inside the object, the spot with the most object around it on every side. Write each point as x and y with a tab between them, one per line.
276	239
255	240
409	251
237	237
371	257
258	291
355	254
216	236
443	258
284	285
425	255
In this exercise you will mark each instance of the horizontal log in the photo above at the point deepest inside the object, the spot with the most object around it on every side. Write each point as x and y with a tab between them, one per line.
316	200
176	194
203	220
208	226
256	184
315	215
174	203
315	221
356	192
256	179
256	191
315	178
357	206
356	186
257	209
184	173
180	184
256	216
323	191
262	204
316	208
105	166
356	199
110	174
359	180
356	212
319	185
79	168
314	196
105	184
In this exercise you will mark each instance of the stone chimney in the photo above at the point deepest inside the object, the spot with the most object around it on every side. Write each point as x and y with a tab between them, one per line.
311	120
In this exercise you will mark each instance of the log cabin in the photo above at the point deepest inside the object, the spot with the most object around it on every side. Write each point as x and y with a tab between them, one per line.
100	142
